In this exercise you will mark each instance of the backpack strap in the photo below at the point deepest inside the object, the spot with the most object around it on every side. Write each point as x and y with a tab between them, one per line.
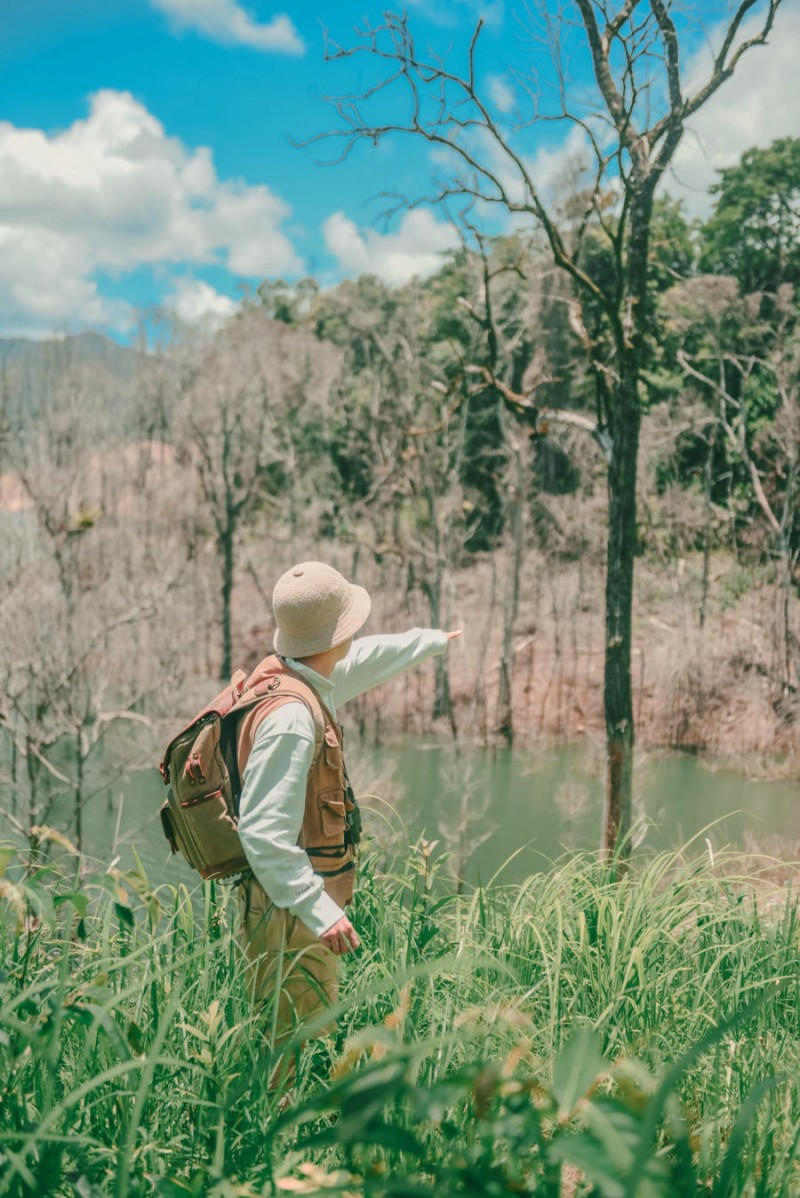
221	705
271	691
263	706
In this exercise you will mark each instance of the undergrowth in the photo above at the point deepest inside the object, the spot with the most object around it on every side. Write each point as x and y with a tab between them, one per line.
575	1034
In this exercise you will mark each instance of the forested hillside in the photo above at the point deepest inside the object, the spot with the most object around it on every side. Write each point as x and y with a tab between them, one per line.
435	441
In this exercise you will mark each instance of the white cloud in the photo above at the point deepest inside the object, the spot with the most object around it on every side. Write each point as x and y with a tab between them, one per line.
44	280
196	302
112	193
416	248
553	169
759	103
226	22
501	93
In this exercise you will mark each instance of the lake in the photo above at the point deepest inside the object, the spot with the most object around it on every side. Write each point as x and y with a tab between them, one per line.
483	806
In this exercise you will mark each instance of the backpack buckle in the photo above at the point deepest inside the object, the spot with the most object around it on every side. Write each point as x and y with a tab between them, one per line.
193	770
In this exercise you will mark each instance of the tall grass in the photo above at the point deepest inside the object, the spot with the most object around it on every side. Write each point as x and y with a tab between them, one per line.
574	1034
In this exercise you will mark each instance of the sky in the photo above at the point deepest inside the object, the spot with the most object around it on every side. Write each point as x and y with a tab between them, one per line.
149	152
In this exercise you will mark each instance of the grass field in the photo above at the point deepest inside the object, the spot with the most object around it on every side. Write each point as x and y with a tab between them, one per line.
572	1035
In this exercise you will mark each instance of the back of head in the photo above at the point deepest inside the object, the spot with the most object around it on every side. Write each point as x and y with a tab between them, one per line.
315	609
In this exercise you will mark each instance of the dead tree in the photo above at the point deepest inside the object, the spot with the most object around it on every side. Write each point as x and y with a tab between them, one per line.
240	398
76	601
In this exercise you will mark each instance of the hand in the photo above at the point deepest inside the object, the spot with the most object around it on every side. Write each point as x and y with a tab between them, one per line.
451	636
341	938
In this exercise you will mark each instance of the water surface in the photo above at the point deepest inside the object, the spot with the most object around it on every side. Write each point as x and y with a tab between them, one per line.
512	811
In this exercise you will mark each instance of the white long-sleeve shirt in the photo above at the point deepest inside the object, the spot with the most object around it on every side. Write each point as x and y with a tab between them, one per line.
273	797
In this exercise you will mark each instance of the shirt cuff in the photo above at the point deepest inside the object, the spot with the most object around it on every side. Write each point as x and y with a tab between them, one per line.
318	912
439	640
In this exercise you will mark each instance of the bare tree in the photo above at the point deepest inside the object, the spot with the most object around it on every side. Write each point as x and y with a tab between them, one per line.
241	399
80	589
631	126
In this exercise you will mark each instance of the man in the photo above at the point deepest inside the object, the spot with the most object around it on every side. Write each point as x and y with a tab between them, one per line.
297	816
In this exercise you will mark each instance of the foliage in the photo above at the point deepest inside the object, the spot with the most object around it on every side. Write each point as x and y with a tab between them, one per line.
741	361
673	251
754	231
569	1036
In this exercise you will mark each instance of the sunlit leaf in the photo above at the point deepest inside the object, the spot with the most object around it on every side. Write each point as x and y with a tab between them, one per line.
124	914
576	1069
78	900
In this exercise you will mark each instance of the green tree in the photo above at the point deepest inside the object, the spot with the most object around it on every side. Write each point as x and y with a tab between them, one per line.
748	371
451	296
754	232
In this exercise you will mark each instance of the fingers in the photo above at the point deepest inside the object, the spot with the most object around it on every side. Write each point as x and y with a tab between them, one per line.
340	944
341	938
351	936
336	942
451	636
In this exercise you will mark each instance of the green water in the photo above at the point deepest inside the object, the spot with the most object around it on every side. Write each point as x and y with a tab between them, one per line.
486	806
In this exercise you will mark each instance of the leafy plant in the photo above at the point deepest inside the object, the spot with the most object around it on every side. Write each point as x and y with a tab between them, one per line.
568	1036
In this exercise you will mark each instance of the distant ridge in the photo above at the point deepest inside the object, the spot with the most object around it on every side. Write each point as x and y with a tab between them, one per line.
119	360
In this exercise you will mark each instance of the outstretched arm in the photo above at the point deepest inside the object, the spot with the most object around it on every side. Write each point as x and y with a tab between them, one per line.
374	659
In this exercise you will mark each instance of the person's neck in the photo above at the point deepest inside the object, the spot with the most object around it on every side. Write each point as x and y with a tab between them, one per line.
322	663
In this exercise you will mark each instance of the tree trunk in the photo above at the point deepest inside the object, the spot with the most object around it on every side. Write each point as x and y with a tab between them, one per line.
707	480
14	771
30	765
442	701
624	422
226	547
619	601
433	590
786	564
505	713
78	789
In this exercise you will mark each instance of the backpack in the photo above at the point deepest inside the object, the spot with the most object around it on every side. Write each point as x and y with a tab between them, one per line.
200	767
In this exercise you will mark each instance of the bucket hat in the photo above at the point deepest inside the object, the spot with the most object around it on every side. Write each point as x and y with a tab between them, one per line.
316	608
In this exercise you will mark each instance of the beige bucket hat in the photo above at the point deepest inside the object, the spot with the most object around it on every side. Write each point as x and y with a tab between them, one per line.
316	608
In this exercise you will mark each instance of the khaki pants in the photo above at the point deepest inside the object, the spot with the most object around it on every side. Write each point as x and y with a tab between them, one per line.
285	964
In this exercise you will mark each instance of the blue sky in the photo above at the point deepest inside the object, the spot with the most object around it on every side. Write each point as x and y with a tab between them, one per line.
145	153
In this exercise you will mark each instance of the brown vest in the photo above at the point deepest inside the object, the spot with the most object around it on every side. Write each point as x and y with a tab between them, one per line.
322	833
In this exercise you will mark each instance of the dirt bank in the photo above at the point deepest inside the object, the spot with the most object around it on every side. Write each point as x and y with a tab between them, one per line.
715	690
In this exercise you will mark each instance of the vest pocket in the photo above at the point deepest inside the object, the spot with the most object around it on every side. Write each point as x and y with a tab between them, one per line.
332	750
332	813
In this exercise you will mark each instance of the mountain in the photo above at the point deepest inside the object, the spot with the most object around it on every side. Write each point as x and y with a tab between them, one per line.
89	347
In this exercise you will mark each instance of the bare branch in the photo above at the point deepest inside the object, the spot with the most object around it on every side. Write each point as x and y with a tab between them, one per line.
624	14
599	49
738	443
438	132
431	430
670	36
724	68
